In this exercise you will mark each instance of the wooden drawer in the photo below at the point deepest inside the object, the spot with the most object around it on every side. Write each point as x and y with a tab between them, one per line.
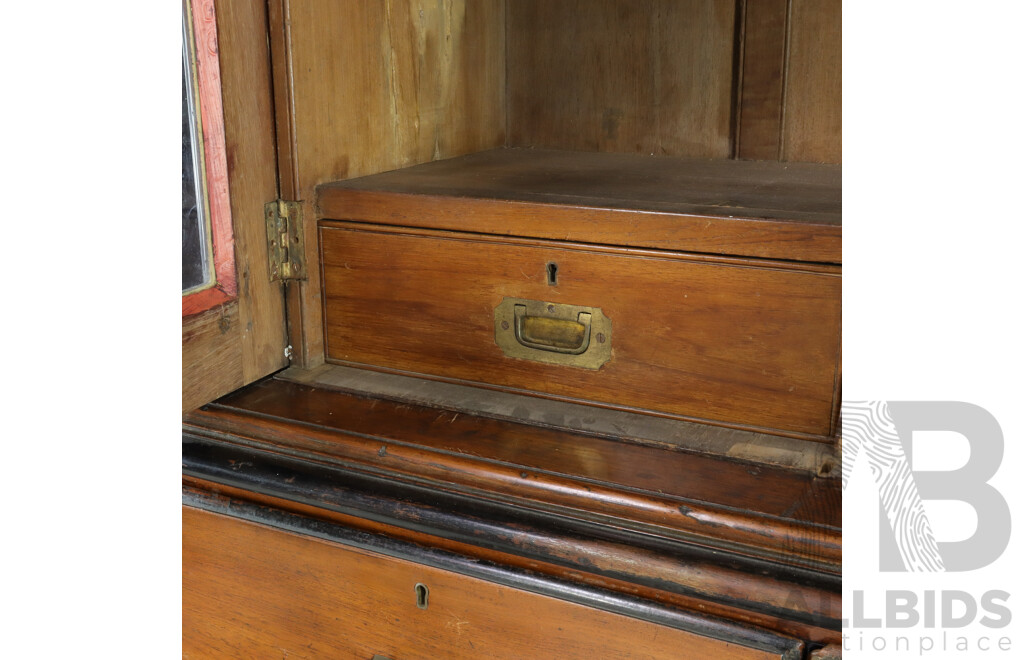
250	590
743	342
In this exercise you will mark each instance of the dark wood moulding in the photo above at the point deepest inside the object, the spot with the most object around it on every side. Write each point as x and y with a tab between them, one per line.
750	543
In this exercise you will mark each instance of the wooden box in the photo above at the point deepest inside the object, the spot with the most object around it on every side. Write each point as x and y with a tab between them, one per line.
703	319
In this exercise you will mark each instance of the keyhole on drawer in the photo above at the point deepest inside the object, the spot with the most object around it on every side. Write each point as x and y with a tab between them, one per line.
552	273
422	596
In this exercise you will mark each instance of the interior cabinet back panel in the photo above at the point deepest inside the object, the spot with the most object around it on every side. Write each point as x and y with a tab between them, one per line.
692	337
635	76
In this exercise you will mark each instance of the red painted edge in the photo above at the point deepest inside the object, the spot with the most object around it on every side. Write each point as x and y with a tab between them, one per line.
214	147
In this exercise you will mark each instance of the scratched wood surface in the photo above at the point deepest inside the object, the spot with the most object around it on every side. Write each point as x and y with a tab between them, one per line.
368	86
436	80
757	209
251	591
243	340
785	511
211	356
761	83
648	76
629	428
575	563
813	122
789	84
736	344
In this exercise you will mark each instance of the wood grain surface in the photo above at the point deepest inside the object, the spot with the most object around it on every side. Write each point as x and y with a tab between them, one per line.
789	517
211	356
244	340
813	121
627	427
367	86
437	80
762	79
739	345
748	542
496	452
522	549
759	209
649	76
250	590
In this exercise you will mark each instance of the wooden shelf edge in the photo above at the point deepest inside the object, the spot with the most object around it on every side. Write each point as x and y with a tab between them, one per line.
759	448
445	452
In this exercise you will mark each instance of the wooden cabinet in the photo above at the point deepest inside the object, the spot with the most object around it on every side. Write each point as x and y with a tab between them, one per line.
572	161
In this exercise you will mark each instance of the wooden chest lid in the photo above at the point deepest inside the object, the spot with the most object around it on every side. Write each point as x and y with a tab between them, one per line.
773	210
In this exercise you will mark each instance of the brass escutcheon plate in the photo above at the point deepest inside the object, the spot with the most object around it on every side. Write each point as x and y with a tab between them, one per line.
553	333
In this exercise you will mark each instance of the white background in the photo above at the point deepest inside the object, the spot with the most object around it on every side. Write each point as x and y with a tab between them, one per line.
932	254
91	477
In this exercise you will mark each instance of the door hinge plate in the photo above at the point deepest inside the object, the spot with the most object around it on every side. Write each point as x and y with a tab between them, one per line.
286	244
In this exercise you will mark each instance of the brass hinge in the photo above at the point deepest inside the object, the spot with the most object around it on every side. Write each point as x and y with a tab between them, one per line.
286	245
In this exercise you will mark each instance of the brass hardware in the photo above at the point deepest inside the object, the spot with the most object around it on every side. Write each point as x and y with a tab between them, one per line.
285	241
422	596
553	333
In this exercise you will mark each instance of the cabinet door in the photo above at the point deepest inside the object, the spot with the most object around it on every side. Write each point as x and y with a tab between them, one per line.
238	334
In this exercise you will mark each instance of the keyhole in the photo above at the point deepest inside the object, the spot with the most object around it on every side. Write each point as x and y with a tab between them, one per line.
552	273
422	596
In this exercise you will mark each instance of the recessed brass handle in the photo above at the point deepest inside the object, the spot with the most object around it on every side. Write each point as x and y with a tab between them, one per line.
549	334
554	333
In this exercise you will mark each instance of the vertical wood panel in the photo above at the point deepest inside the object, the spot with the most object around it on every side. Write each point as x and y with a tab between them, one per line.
243	340
252	176
761	83
375	86
650	76
813	120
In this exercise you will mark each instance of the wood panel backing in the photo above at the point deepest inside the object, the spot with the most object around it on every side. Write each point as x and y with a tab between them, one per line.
650	76
761	79
243	340
249	590
368	86
748	347
813	113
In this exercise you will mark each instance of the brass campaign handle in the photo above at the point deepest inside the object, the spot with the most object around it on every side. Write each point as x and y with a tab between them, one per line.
551	334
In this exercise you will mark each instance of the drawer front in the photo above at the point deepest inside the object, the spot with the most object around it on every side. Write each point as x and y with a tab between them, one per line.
734	342
249	591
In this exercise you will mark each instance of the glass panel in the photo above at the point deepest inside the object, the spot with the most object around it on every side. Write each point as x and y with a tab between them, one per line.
195	260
